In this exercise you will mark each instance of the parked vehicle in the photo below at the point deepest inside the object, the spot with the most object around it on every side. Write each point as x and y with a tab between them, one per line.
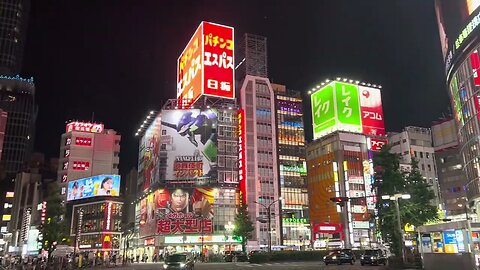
235	256
373	257
184	261
339	257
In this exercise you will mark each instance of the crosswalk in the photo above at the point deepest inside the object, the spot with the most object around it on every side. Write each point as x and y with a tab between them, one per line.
273	264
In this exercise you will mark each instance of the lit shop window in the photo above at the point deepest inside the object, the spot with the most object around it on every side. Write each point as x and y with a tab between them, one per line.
83	141
81	165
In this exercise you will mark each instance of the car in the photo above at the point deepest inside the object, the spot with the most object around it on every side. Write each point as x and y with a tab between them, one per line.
339	257
254	252
235	256
373	257
179	261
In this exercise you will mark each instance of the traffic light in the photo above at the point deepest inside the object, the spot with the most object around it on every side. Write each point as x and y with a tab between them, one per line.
339	200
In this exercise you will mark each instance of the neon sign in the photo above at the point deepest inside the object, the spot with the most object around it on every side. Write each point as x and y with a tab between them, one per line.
241	155
85	127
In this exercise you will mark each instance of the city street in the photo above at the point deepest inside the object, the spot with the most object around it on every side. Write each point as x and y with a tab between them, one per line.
265	266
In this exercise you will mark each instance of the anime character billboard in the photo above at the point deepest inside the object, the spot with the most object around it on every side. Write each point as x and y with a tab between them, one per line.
189	137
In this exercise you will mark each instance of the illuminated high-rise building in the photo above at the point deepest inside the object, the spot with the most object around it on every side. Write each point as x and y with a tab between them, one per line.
13	24
347	128
292	166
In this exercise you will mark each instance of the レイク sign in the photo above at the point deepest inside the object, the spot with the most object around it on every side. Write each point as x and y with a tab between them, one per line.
85	127
206	65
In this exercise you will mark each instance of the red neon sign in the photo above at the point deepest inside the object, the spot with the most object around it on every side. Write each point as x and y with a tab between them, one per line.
83	141
218	60
85	127
371	110
376	144
241	156
206	65
80	165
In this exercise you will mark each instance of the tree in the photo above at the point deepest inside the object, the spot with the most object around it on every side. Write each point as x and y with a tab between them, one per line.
55	229
416	211
243	226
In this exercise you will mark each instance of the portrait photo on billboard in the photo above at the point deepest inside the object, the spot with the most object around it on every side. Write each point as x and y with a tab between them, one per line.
176	211
189	137
99	185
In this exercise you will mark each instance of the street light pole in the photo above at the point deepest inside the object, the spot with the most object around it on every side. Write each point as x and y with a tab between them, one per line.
269	220
399	223
395	198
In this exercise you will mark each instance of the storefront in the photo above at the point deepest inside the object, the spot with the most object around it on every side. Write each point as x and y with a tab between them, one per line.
96	226
453	245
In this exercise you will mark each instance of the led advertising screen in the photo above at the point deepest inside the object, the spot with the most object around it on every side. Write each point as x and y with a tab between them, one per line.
242	163
177	211
98	185
336	107
189	138
206	65
149	154
372	113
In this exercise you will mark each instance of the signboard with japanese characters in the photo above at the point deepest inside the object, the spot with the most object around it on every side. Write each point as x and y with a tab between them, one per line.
206	65
177	211
85	127
341	106
372	113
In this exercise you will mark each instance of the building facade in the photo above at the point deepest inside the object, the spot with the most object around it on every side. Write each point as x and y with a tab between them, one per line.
292	167
451	178
416	143
460	39
188	175
262	186
87	149
13	24
339	165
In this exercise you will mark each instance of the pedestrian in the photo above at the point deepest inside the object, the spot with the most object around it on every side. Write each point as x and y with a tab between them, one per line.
138	258
155	257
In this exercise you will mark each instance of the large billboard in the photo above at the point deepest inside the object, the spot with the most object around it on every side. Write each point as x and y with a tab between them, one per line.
177	211
149	154
372	112
336	106
84	127
206	65
189	138
98	185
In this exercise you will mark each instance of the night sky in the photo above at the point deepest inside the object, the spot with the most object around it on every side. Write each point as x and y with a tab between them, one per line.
117	59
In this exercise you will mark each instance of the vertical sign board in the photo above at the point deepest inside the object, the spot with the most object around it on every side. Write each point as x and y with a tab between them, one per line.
218	64
206	65
347	107
241	156
372	113
190	70
323	111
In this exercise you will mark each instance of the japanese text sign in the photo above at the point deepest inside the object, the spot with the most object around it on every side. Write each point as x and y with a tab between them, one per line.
336	106
206	66
372	113
84	127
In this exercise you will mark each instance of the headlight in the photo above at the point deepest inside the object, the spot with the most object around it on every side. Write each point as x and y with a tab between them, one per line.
324	257
361	257
334	257
374	258
165	266
182	265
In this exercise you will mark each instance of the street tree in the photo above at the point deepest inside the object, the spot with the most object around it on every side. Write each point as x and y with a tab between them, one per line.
390	180
54	230
243	226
